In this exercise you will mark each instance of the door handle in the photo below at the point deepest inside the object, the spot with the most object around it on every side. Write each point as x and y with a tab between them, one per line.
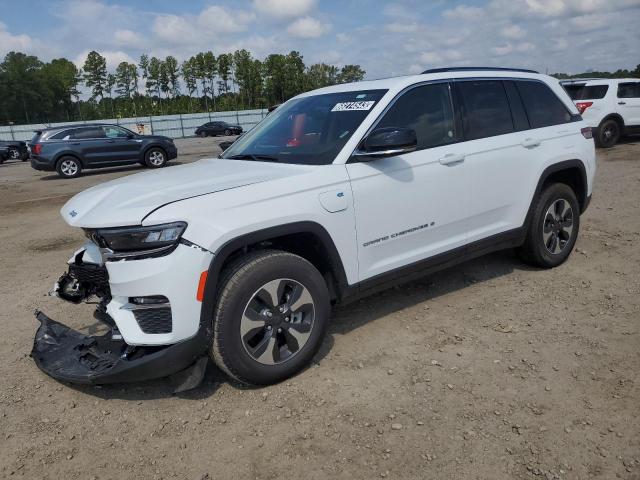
452	159
622	103
530	143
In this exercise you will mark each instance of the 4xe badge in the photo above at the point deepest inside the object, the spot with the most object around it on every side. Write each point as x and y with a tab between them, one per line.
73	213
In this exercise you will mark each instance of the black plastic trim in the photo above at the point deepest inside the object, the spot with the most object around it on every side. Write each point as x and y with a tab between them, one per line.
481	69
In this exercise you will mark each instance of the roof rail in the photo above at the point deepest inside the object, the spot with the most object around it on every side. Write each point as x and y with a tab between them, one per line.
472	69
578	79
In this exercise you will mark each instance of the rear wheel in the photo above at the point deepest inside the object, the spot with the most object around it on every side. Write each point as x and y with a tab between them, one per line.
270	318
14	154
227	132
608	133
155	158
554	227
69	167
202	134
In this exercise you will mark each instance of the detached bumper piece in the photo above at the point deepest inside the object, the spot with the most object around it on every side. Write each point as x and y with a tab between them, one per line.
70	356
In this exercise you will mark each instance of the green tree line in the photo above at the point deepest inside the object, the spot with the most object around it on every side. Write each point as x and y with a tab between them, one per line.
33	91
620	73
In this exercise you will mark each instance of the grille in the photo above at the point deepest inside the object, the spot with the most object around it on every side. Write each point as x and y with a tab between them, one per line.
95	275
154	320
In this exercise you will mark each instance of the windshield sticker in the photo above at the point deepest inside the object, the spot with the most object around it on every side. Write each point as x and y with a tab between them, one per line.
350	106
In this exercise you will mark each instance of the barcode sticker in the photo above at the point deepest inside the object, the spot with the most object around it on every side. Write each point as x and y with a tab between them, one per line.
349	106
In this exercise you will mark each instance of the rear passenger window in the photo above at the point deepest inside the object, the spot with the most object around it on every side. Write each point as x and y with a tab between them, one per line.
87	133
583	92
486	110
543	107
427	110
629	90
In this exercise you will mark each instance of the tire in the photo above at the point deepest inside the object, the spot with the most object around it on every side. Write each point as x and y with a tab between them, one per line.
155	158
249	358
608	133
69	167
227	132
14	154
203	134
549	242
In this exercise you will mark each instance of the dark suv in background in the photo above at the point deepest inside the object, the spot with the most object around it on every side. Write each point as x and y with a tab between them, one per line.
211	129
16	150
69	149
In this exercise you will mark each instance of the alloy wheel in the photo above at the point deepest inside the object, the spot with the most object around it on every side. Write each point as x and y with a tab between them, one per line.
69	168
156	158
14	154
557	227
277	321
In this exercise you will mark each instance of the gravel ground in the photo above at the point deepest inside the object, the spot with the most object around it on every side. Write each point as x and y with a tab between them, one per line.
490	370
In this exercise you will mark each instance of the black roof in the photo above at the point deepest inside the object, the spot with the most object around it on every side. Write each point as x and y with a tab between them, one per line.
474	69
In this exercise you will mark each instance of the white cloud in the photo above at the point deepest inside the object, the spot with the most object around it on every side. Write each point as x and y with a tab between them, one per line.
127	38
220	20
9	42
513	31
402	27
284	8
307	27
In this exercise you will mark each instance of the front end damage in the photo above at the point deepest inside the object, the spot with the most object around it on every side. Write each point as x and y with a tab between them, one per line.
71	356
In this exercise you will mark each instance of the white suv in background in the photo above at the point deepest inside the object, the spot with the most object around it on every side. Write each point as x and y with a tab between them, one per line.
338	193
610	106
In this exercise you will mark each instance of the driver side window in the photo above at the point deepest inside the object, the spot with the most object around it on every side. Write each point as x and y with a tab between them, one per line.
427	110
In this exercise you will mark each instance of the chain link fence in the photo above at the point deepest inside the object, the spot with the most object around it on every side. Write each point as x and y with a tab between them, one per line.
174	126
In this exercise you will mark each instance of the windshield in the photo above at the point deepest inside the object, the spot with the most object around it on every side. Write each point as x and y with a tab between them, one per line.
308	130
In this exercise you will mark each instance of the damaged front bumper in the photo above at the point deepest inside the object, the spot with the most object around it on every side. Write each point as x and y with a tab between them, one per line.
143	341
68	355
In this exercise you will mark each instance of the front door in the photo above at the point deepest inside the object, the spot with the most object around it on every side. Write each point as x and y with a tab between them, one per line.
121	145
412	206
629	103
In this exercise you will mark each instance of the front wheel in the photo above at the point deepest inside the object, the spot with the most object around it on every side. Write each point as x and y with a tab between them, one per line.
270	318
227	132
14	154
155	158
553	230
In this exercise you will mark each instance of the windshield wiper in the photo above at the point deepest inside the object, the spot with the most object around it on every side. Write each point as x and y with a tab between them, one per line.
256	157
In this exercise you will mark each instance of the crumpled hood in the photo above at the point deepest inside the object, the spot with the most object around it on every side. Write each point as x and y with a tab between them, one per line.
127	200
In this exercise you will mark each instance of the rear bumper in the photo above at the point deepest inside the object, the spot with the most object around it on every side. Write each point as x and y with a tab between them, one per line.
68	355
40	164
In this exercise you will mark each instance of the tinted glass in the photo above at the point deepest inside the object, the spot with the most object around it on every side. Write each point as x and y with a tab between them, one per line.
115	132
308	130
519	115
63	135
427	110
586	92
86	133
629	90
543	107
486	109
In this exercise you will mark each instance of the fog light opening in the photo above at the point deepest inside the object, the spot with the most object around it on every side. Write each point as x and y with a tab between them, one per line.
149	300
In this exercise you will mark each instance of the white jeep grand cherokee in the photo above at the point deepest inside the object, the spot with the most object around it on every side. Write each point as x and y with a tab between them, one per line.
336	194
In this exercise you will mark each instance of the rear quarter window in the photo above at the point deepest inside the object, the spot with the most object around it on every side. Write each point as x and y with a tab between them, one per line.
543	107
629	90
586	92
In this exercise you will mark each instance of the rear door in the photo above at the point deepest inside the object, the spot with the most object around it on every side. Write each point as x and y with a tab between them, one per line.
500	154
628	103
89	142
121	144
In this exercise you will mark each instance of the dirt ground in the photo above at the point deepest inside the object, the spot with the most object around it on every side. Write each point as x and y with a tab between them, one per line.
490	370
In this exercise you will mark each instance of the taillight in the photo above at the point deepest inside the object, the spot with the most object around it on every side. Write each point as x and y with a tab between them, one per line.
586	132
36	149
582	106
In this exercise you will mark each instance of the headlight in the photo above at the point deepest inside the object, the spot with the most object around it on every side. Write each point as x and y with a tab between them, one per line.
136	240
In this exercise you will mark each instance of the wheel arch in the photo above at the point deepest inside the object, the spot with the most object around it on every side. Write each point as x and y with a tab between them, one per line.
613	116
71	153
143	153
570	172
309	240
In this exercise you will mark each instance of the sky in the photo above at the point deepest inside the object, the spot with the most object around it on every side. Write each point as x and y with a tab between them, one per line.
387	38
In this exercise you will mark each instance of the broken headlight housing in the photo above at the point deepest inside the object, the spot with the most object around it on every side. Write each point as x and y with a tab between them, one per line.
126	242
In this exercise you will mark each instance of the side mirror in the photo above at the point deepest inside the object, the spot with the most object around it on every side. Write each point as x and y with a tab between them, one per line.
388	142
